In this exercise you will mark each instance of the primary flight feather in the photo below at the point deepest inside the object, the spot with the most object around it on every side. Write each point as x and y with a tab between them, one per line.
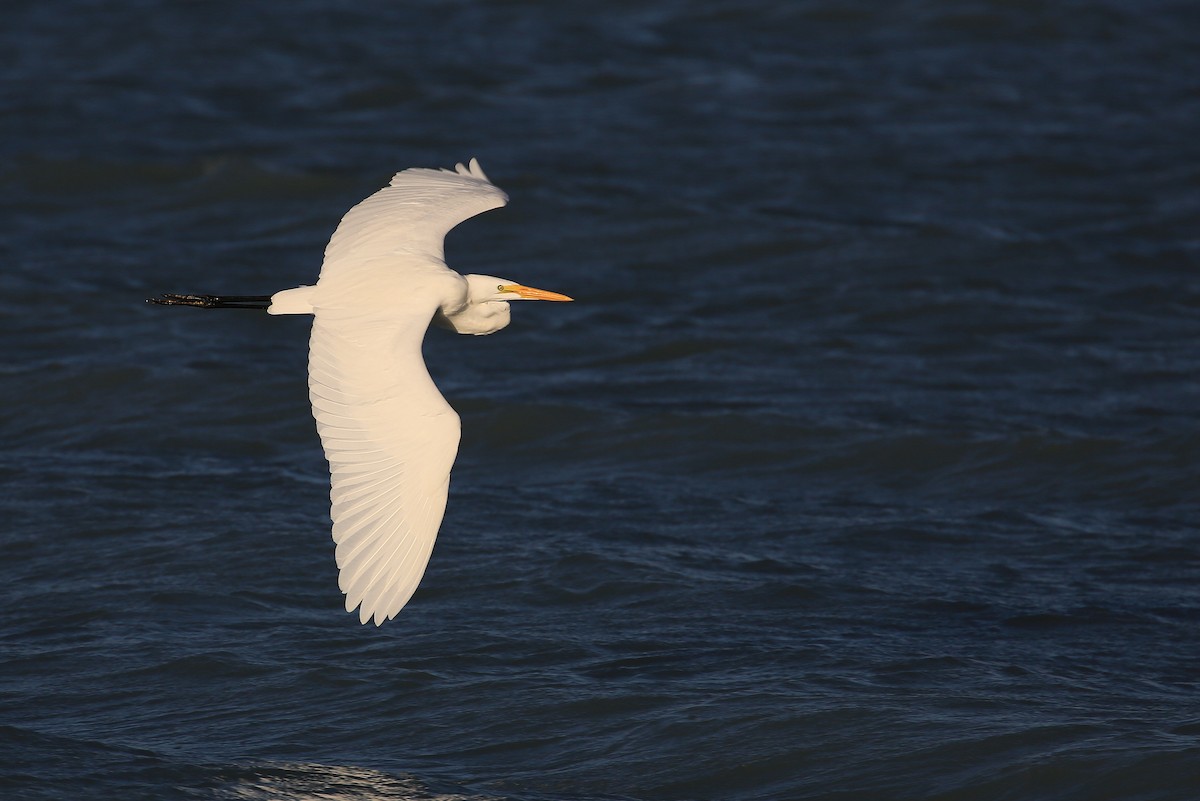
389	435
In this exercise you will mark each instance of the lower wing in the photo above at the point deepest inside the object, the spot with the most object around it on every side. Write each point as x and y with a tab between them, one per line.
390	439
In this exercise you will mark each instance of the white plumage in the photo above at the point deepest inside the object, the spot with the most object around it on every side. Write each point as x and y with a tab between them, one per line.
389	435
413	214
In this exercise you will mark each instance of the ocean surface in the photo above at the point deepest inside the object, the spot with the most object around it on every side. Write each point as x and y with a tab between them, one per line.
865	466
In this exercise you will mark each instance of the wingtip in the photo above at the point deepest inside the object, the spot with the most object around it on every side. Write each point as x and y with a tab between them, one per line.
478	171
472	169
367	614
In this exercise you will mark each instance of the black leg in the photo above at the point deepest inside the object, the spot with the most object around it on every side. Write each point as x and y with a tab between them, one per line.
213	301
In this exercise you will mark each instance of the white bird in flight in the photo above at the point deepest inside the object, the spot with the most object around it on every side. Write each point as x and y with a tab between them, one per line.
389	435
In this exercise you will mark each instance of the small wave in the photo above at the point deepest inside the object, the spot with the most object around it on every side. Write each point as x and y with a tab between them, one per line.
316	782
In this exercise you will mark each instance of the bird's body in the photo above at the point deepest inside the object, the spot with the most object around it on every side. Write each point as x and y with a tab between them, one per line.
389	435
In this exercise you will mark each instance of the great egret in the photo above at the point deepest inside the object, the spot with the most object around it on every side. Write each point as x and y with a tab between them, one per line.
389	435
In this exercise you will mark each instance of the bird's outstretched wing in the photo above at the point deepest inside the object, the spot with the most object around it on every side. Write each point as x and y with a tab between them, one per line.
413	214
388	434
390	439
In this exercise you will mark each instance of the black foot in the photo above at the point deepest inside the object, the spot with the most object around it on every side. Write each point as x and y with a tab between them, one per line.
213	301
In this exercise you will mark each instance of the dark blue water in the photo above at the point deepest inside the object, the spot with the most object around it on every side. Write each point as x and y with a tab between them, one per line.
866	465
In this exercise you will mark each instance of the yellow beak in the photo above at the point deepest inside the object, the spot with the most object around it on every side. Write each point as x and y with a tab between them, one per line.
529	293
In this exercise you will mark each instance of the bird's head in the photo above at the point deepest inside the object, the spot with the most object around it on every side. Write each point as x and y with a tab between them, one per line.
486	310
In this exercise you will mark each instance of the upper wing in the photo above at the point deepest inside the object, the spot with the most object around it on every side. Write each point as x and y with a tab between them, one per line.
413	214
390	439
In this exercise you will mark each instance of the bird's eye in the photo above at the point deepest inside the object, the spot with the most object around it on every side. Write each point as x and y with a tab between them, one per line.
500	287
